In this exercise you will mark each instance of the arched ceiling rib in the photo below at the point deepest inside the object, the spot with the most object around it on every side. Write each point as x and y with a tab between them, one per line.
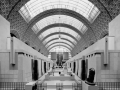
75	13
59	19
60	12
59	35
45	43
60	30
58	46
83	7
59	25
59	40
58	43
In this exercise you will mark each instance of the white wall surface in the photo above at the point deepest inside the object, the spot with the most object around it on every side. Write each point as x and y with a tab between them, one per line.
4	32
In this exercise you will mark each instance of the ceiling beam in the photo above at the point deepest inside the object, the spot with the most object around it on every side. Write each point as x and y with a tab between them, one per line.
58	45
58	38
60	12
59	25
61	33
59	42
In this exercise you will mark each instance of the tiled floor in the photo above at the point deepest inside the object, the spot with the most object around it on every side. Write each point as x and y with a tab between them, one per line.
51	85
66	84
58	82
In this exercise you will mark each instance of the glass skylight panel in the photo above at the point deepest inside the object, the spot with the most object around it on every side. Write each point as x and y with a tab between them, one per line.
35	29
59	40
34	7
93	14
83	29
62	40
41	37
69	38
49	31
51	37
60	29
59	48
59	19
59	44
25	14
69	31
44	42
78	37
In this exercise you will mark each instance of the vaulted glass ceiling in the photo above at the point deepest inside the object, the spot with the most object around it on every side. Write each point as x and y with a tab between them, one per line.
34	7
59	29
59	49
59	19
59	40
59	36
83	7
59	44
51	37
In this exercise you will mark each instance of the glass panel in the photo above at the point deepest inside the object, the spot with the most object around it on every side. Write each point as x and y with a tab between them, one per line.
59	49
59	44
34	7
58	19
60	29
69	38
35	29
83	29
60	40
57	36
51	37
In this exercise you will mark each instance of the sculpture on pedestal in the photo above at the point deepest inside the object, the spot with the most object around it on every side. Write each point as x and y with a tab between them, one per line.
90	79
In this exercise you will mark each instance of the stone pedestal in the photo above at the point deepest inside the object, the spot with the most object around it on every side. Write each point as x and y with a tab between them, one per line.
85	86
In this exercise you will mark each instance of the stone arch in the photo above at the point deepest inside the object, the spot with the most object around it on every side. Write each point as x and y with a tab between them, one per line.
14	33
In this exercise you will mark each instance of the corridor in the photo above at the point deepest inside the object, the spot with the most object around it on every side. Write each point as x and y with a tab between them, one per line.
58	79
37	37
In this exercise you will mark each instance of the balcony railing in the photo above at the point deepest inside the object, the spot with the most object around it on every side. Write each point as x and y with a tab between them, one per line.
58	86
12	85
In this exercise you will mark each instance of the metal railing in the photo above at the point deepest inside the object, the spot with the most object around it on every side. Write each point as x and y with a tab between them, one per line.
42	86
108	85
59	86
12	85
76	86
101	86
